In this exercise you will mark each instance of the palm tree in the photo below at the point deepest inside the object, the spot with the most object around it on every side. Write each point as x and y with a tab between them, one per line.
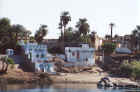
134	39
83	29
83	26
111	26
64	20
41	33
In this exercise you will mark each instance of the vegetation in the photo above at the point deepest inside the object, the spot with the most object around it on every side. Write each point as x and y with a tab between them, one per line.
108	47
9	34
83	26
135	38
41	33
64	20
81	34
10	61
131	69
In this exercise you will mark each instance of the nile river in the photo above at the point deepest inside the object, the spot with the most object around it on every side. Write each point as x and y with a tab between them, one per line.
61	88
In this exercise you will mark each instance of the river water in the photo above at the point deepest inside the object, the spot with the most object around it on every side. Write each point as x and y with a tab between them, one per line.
61	88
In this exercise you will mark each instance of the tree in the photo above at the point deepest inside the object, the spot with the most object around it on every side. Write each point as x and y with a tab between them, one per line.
64	20
138	27
19	31
111	26
9	34
4	25
135	38
41	33
108	48
69	34
83	26
4	34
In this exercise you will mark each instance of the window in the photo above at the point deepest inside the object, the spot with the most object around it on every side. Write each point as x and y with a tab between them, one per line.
42	55
78	54
37	56
73	54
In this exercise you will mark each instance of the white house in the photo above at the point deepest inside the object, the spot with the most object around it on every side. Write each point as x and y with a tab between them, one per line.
9	52
45	67
80	55
37	54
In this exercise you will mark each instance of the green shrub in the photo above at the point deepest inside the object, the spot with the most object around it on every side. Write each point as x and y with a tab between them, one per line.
126	69
108	47
10	61
131	69
136	69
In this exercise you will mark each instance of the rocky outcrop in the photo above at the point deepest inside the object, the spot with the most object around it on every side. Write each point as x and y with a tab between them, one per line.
105	82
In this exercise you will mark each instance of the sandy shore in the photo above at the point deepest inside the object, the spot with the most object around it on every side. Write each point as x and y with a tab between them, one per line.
90	78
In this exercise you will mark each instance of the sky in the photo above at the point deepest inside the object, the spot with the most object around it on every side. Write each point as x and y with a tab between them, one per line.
99	13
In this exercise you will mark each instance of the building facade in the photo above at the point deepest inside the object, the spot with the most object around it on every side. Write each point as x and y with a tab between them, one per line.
37	55
80	55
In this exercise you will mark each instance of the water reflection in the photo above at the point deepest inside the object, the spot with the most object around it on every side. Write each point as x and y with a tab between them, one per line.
60	88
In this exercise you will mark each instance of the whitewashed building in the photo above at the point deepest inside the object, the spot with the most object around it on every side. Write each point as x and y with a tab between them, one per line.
80	55
37	54
45	67
9	52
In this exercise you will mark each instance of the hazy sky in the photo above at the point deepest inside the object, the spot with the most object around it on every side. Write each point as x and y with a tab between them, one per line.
31	13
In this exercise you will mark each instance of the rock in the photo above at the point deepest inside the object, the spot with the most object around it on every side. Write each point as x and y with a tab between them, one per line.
105	82
131	86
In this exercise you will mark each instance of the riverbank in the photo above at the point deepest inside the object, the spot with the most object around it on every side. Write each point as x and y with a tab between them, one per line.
20	77
90	77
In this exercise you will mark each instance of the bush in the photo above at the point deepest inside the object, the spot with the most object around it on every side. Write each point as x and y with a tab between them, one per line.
136	69
109	47
131	69
126	69
10	61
